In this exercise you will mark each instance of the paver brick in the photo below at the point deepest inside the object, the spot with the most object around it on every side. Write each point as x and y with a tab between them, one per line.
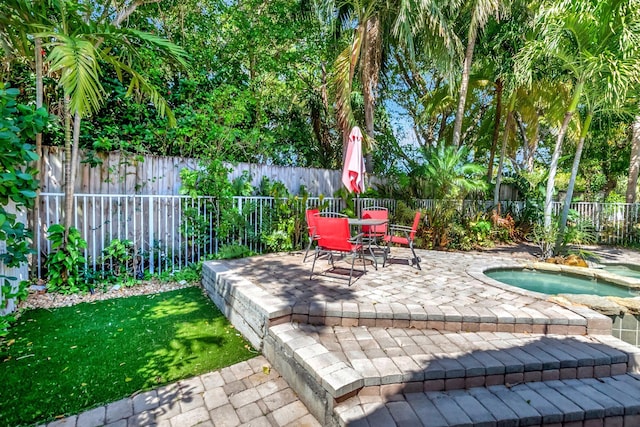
215	398
572	412
529	415
550	413
480	415
244	398
449	409
191	418
403	414
249	412
290	412
212	380
145	401
118	410
224	416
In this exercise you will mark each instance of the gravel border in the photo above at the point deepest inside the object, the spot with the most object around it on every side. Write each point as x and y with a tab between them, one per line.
49	300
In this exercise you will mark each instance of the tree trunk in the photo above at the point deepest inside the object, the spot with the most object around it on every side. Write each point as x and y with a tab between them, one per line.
371	62
68	189
503	149
464	86
75	148
496	128
35	218
553	168
634	162
572	180
557	150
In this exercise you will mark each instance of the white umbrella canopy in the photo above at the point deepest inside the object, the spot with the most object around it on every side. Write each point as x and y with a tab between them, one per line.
353	169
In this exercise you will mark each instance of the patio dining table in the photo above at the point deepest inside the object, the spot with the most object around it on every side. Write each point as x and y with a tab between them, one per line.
359	222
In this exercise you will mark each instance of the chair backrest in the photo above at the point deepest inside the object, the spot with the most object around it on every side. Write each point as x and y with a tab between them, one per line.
375	212
311	215
333	233
332	215
414	227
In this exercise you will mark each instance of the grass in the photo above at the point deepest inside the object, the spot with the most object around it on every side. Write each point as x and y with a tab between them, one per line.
66	360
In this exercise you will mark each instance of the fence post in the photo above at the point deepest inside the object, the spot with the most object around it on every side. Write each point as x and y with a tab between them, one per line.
151	236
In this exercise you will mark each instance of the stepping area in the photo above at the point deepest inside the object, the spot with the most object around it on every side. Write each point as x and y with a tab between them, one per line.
441	346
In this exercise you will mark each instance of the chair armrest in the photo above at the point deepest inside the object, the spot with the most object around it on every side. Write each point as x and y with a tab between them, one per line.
401	228
357	238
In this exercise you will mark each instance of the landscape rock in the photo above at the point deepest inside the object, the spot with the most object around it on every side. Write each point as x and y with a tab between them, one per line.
571	260
631	304
602	305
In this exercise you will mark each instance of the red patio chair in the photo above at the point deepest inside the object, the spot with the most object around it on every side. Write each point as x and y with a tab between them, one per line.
334	235
310	216
375	233
403	235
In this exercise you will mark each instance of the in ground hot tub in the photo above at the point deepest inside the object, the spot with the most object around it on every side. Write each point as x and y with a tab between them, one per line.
627	270
554	283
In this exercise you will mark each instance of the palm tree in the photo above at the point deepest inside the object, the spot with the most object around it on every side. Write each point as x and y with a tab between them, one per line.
587	41
449	178
480	11
77	48
377	24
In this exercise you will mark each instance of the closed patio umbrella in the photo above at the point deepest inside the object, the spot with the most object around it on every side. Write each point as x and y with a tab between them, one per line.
353	169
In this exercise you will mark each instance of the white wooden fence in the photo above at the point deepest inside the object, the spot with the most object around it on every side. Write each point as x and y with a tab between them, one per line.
121	173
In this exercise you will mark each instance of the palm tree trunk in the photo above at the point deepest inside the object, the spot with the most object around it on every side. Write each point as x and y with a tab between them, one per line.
68	189
557	150
634	162
35	220
74	151
464	86
572	180
503	149
371	62
496	128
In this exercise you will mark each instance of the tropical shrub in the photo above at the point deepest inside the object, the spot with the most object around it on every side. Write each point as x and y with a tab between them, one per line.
65	263
283	223
18	125
117	261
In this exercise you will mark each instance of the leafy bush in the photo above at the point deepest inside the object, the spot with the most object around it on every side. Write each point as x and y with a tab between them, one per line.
18	125
191	273
579	231
65	262
117	260
233	251
545	238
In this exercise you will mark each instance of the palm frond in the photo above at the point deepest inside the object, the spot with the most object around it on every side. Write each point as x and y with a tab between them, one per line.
76	60
139	84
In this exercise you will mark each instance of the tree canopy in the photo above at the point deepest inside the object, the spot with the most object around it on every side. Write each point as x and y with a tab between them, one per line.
282	81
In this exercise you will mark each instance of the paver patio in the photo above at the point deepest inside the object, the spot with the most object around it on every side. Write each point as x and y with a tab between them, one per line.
442	346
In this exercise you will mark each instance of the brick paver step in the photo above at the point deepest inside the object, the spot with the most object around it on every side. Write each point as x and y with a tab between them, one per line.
609	401
380	361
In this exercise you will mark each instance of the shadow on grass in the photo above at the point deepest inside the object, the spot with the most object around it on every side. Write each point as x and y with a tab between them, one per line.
70	359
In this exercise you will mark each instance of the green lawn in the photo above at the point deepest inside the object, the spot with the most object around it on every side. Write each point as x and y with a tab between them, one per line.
63	361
